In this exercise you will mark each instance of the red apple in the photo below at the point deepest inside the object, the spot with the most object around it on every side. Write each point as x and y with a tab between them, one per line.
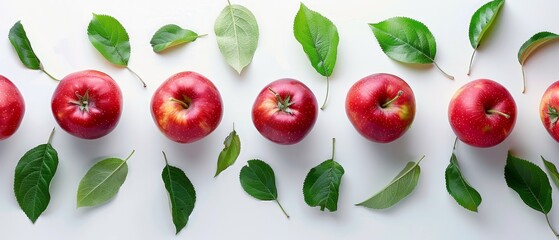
186	107
12	108
482	113
87	104
381	107
549	110
285	111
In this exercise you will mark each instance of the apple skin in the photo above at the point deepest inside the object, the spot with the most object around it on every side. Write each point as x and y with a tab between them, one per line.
12	108
482	113
87	104
364	107
549	107
291	125
186	107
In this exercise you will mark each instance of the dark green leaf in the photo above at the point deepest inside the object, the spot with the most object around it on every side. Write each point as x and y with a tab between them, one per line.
459	188
530	182
171	35
181	194
102	181
552	170
535	42
322	185
400	187
21	44
33	175
482	20
237	34
319	38
230	152
110	38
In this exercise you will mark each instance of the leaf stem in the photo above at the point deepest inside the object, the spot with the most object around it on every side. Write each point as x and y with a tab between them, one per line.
400	92
137	76
446	74
455	142
202	35
47	73
333	147
422	157
130	155
327	93
551	227
50	136
165	157
281	207
523	80
471	60
228	2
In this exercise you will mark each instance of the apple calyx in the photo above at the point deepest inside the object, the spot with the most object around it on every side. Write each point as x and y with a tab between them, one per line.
386	104
185	103
283	103
83	101
553	115
493	111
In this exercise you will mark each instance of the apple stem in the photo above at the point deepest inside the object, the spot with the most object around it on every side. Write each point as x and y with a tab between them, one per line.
498	112
137	76
51	135
283	104
327	93
165	157
183	103
471	60
129	155
446	74
333	147
551	227
281	207
400	93
523	80
47	73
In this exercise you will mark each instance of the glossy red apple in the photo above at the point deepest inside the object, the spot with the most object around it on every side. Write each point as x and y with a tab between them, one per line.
482	113
285	111
186	107
549	110
12	108
87	104
381	107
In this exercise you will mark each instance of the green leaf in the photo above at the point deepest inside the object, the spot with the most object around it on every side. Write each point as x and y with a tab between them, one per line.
237	33
459	188
181	194
530	182
21	44
33	175
258	180
482	20
110	38
319	38
102	181
552	170
535	42
171	35
406	40
322	185
230	152
400	187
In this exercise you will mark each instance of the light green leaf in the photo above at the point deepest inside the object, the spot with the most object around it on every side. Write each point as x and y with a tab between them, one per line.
258	180
102	181
181	194
33	175
459	188
230	152
21	44
406	40
538	40
530	182
170	36
481	22
322	185
552	170
319	38
237	34
110	38
402	185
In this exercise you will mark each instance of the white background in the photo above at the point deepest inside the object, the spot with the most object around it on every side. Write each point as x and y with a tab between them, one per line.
57	30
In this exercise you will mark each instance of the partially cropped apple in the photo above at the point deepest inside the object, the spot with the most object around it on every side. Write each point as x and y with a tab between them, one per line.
381	107
12	108
482	113
186	107
549	110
